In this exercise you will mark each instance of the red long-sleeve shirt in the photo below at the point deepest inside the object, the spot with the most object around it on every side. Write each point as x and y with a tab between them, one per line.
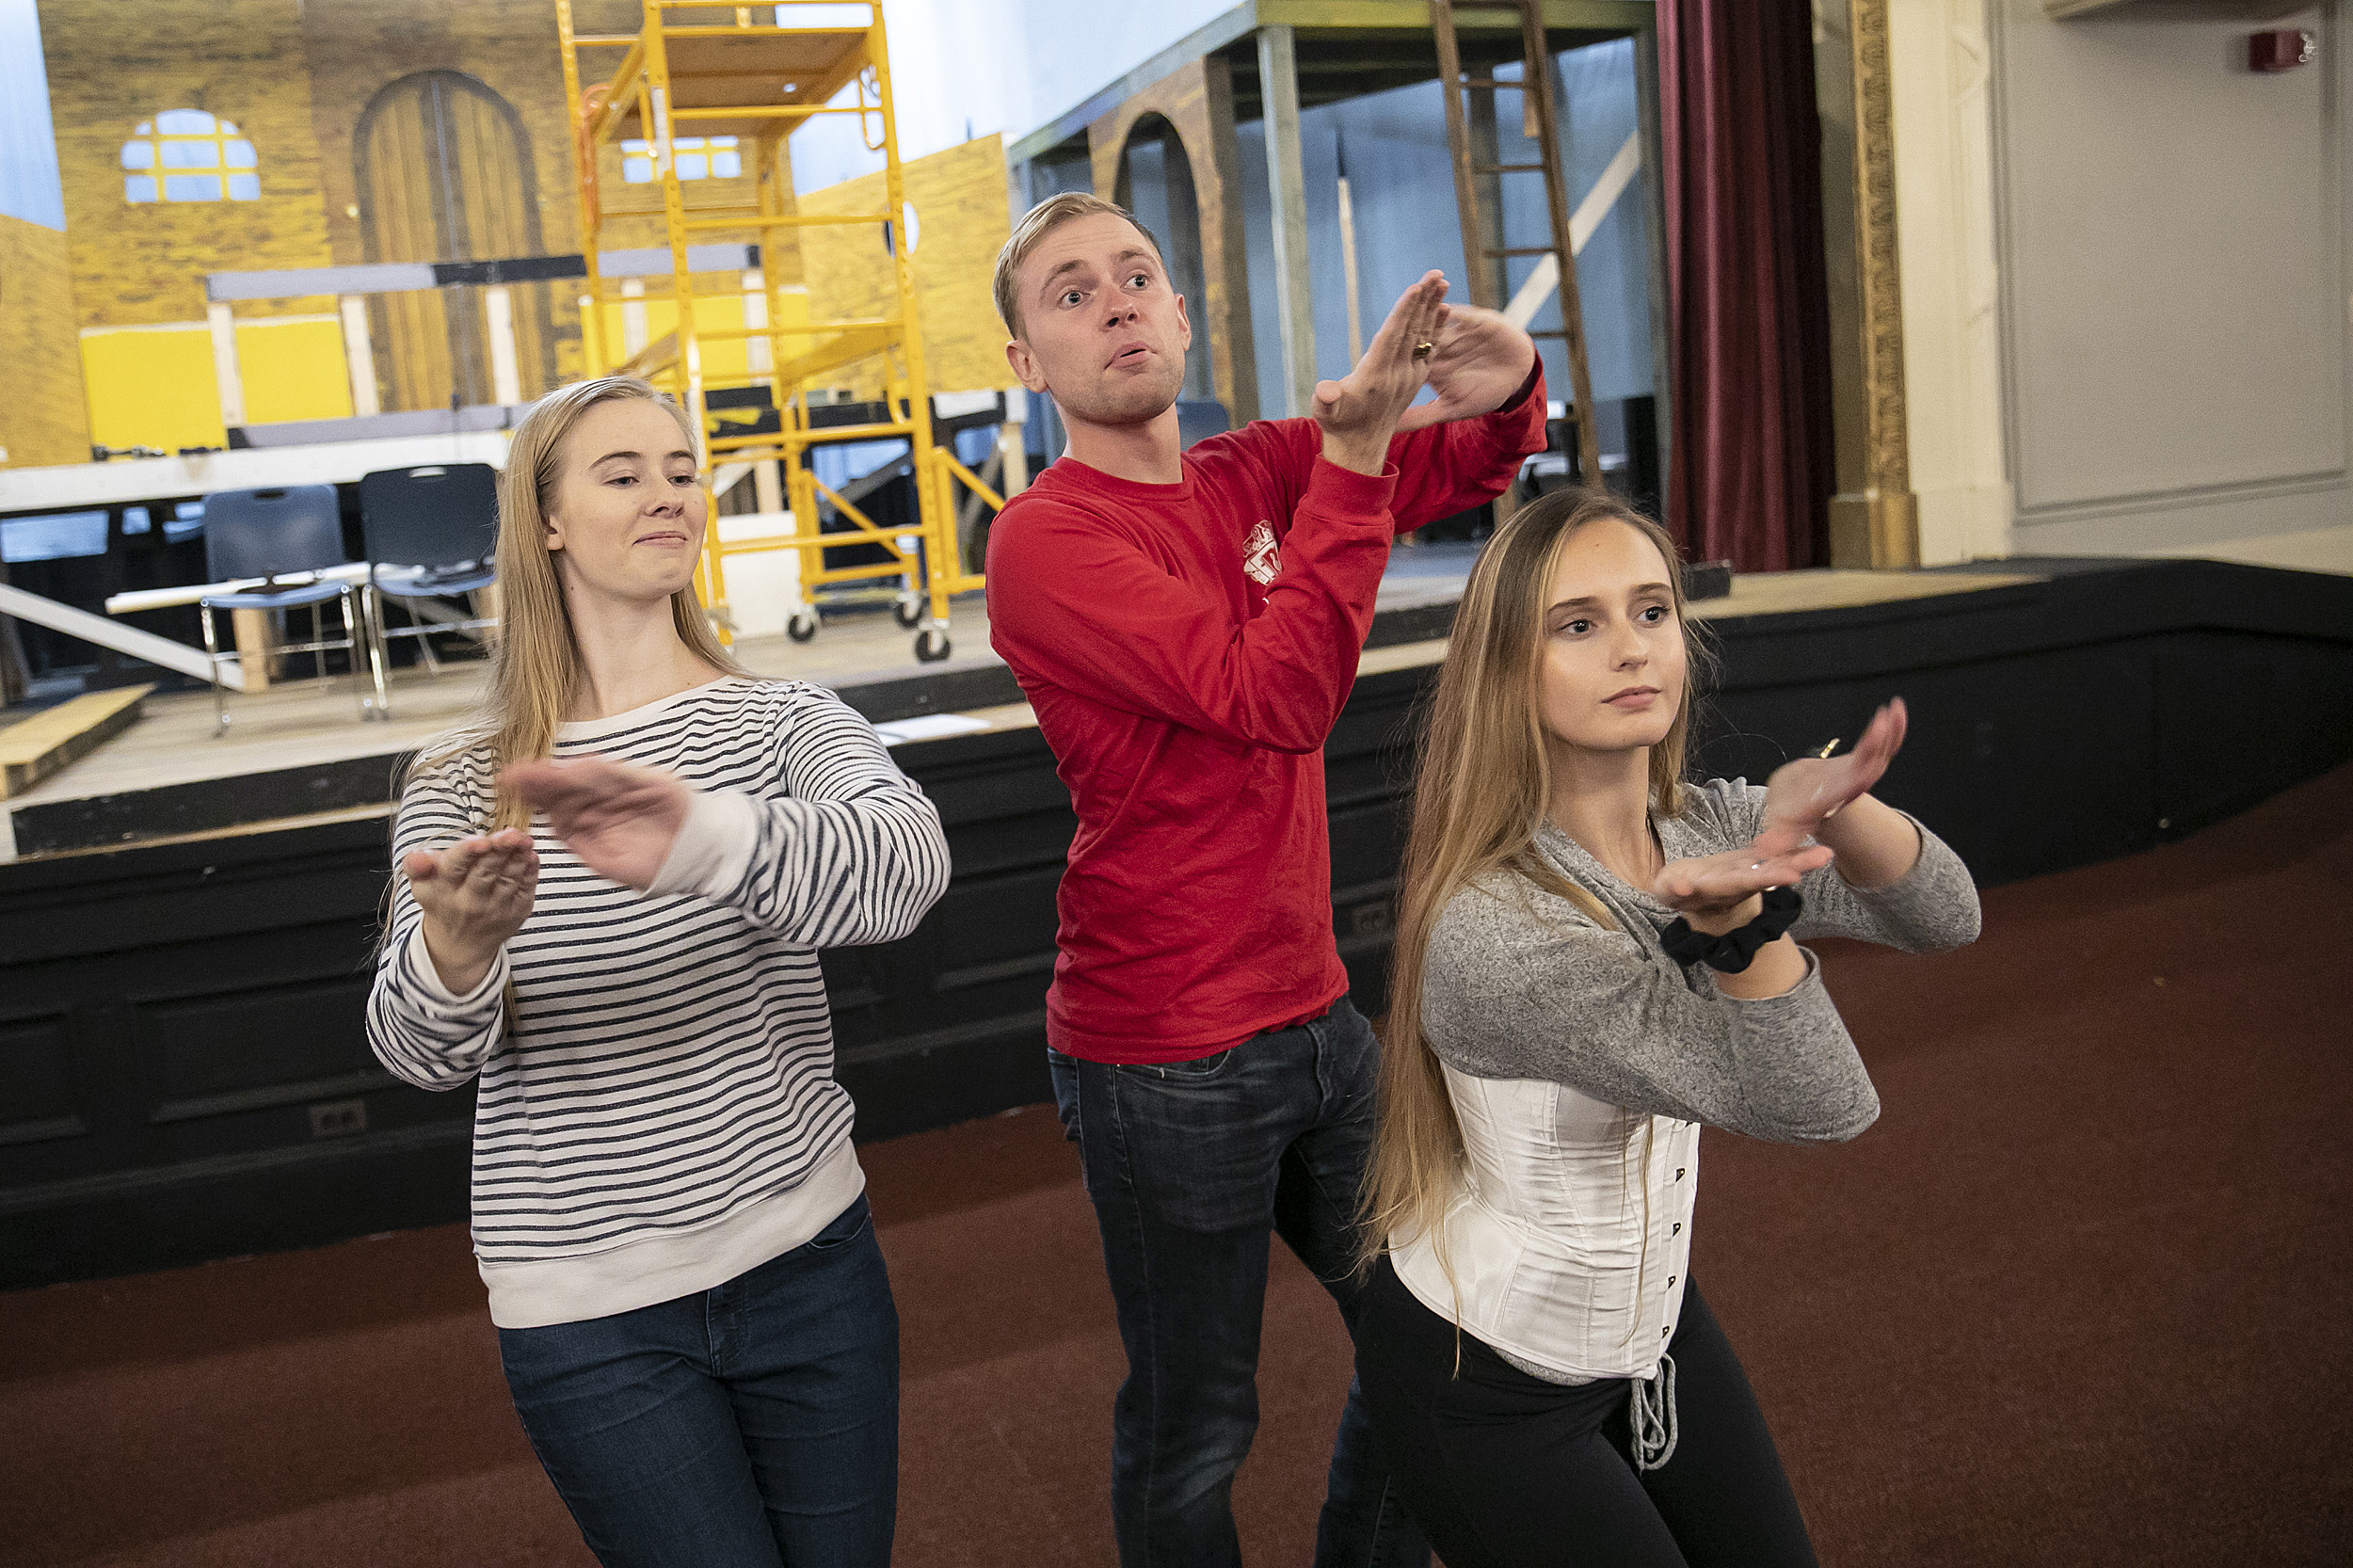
1187	648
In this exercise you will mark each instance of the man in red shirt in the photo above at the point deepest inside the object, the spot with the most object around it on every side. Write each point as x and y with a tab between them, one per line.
1187	625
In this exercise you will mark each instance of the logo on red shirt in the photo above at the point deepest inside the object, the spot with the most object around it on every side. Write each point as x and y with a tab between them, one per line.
1260	560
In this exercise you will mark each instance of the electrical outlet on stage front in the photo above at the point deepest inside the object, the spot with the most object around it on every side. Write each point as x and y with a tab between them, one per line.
338	1118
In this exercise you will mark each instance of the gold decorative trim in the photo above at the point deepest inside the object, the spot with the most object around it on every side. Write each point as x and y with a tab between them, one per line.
1880	527
1893	509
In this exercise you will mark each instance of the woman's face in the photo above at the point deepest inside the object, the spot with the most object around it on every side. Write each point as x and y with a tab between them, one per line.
1613	674
627	518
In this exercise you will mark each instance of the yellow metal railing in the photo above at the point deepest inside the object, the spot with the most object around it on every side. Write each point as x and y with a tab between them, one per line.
657	66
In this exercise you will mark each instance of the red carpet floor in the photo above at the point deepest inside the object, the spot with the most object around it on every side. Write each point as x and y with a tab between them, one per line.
2080	1298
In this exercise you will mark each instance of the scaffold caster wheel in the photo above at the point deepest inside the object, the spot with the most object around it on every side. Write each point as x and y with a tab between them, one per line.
908	610
802	627
931	645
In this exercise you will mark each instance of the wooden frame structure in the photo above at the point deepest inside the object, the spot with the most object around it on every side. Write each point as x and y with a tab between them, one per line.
760	84
1271	59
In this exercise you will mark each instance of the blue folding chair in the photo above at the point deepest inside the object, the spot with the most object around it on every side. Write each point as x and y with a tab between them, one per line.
268	534
430	533
1199	419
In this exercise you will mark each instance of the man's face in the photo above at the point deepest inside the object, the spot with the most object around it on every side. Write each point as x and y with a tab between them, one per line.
1101	329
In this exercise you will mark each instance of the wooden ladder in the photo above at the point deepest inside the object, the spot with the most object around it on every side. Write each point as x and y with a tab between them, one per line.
1535	83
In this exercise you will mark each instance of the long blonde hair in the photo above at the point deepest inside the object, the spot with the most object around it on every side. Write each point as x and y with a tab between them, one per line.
535	667
1481	784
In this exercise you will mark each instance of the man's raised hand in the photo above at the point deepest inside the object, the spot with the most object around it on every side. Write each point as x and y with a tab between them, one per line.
1481	360
618	818
474	895
1360	412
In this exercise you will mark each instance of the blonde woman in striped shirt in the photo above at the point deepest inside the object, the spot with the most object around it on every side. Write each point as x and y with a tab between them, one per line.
608	898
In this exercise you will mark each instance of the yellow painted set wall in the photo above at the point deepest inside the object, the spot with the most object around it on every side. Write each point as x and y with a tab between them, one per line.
43	420
142	265
111	67
156	387
961	222
295	76
294	370
723	361
150	388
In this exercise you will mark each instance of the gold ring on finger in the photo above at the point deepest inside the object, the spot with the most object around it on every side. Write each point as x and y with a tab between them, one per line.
1423	349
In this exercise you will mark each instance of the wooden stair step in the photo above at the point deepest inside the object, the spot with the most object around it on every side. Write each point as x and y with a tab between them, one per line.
32	750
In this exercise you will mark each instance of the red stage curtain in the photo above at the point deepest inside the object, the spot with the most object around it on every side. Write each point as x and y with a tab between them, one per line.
1751	470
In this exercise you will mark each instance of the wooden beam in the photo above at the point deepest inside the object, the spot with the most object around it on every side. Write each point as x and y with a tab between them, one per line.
102	633
1197	100
34	748
1319	21
1655	231
1313	16
1294	301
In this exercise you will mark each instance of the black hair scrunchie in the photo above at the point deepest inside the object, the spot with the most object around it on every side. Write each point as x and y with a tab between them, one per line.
1737	949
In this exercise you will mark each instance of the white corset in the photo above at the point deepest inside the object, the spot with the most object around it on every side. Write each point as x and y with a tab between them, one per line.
1571	1241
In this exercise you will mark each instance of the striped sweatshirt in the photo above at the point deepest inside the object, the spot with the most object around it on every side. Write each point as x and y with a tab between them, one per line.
664	1114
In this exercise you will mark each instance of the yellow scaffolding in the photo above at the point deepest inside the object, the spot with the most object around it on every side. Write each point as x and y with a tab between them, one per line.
760	84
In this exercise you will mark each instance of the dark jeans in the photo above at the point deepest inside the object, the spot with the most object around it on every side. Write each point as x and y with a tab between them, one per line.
1508	1471
754	1423
1190	1166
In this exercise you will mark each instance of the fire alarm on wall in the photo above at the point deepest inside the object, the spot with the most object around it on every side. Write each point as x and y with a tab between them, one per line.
2281	49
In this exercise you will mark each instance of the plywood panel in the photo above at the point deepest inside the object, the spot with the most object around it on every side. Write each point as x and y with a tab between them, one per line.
44	418
294	370
961	222
152	388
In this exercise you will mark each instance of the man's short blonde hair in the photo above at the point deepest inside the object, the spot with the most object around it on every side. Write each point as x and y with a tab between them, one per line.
1039	221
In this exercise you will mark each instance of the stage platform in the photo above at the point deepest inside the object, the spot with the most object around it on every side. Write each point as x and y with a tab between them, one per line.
299	750
187	932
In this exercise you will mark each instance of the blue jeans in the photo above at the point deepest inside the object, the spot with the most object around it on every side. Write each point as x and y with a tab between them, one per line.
1190	1166
753	1423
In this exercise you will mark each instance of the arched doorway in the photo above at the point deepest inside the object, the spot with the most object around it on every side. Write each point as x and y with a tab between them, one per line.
1156	184
444	175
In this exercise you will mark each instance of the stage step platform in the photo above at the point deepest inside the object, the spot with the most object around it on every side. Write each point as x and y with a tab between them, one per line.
298	751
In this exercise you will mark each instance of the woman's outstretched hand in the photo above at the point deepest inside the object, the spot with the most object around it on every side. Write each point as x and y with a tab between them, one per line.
618	818
1481	360
1802	795
475	894
1716	893
1360	412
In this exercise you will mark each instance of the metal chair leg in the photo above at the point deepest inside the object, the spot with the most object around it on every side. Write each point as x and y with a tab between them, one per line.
318	636
212	656
425	644
351	644
372	615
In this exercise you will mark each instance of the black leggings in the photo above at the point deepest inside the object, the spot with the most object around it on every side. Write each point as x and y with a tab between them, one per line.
1504	1470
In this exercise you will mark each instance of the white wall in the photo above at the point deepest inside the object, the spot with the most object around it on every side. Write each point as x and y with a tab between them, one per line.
29	187
1940	69
967	67
2173	241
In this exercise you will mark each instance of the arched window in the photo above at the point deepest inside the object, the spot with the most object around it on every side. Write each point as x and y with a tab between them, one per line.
699	158
188	156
